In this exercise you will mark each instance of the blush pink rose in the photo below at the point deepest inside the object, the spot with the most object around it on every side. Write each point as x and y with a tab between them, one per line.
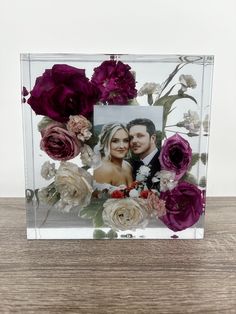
81	126
59	143
78	123
154	203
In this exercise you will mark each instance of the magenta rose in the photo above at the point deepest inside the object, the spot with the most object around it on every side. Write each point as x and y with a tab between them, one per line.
115	81
184	206
63	91
176	155
59	143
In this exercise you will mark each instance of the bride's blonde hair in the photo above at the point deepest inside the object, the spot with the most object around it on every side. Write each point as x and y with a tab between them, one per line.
105	137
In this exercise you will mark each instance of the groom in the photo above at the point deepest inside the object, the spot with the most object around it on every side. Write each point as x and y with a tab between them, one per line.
142	135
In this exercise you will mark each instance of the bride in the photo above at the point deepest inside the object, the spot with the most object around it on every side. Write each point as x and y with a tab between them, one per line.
113	146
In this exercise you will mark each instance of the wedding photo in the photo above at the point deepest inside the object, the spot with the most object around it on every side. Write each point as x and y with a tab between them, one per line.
127	139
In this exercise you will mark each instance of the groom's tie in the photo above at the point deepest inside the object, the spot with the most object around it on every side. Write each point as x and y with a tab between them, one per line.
139	163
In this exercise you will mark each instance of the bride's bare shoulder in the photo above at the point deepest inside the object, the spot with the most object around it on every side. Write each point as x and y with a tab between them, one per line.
103	174
127	165
106	167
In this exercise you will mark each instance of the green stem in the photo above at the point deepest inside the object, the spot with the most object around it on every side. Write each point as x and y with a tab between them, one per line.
46	217
171	76
150	99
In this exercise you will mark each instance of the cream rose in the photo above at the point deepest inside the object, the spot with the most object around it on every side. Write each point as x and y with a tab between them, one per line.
125	214
74	184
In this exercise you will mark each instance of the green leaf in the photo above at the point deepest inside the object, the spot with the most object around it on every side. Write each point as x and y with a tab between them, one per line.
190	178
180	124
195	159
159	137
88	212
171	76
172	110
188	96
192	134
133	102
85	167
204	158
170	90
111	234
202	182
99	234
167	100
97	220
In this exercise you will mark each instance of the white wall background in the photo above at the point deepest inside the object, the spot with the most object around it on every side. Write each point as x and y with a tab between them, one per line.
124	26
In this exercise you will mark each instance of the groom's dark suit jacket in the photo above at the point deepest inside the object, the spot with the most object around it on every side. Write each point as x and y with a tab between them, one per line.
154	166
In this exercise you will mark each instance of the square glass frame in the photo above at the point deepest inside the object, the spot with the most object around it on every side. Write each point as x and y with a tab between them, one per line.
79	115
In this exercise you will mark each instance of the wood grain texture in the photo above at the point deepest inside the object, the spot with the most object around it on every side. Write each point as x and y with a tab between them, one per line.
119	276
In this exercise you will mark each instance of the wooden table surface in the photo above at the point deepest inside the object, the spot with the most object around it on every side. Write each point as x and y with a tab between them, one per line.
116	276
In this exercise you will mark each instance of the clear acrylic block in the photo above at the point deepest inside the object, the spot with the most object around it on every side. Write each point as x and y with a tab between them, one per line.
116	146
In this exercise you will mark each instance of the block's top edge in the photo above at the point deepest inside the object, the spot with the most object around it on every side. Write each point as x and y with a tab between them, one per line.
65	57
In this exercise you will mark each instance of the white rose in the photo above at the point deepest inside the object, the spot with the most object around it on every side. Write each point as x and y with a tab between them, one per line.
125	214
74	184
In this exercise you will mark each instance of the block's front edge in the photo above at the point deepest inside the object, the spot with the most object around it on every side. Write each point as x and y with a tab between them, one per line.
84	137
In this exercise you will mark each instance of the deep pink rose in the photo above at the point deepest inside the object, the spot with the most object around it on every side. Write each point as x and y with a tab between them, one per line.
63	91
115	81
184	206
59	143
176	155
